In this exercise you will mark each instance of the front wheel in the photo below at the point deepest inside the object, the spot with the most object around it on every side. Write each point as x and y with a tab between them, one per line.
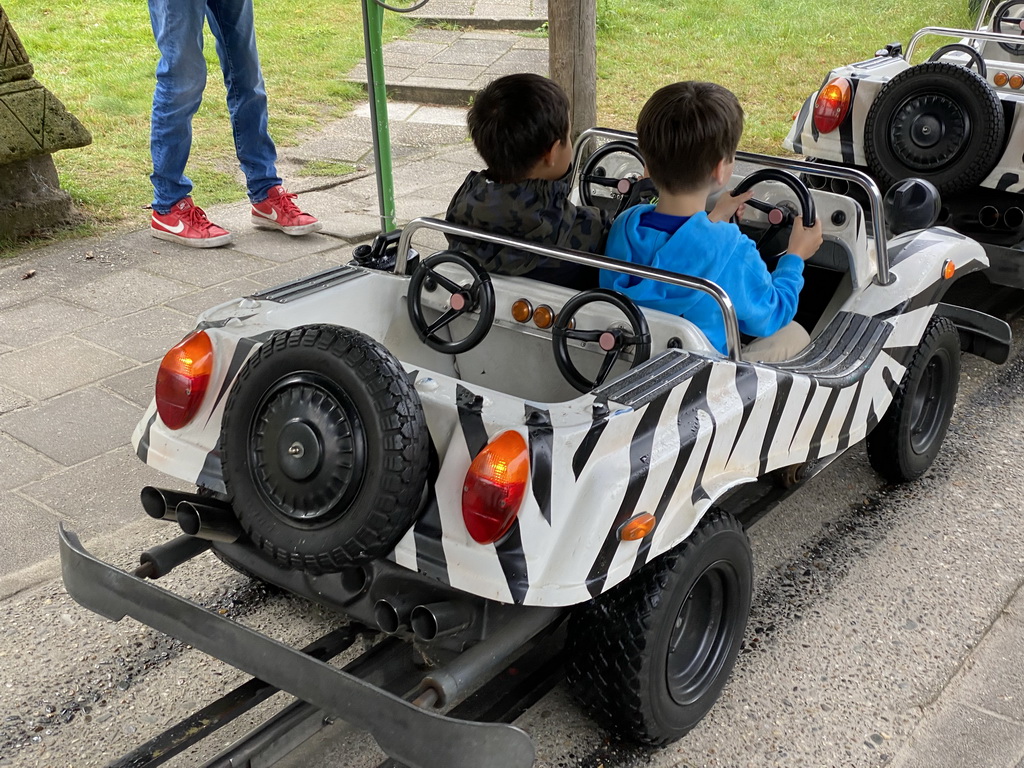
649	658
907	439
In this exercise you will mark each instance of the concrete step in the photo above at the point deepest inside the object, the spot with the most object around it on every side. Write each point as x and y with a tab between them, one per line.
485	14
437	66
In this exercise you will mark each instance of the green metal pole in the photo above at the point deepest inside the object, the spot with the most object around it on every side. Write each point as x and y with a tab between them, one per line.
373	33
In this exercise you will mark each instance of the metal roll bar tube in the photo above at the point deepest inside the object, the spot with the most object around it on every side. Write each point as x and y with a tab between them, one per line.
732	328
883	276
970	34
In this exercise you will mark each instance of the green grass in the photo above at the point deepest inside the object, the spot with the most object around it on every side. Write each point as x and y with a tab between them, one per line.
326	168
771	54
99	58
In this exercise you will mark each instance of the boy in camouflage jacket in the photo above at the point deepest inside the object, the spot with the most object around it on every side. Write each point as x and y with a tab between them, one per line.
520	126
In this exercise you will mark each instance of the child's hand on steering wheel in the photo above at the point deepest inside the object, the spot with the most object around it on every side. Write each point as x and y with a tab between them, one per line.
728	206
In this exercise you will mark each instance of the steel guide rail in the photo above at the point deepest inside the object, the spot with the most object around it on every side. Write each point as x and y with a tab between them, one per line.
414	737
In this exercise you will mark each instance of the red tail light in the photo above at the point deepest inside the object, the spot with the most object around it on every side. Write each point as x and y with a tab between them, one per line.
495	486
832	104
182	379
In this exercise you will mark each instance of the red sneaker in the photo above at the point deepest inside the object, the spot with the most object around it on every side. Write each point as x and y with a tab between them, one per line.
279	211
186	223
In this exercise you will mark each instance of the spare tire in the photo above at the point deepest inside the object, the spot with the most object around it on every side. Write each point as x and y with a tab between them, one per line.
936	121
324	448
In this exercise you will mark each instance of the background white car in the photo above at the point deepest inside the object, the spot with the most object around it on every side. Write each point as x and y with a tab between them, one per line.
955	119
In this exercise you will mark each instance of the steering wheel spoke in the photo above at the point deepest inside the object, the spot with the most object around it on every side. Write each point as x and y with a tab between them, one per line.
448	284
443	320
583	335
607	363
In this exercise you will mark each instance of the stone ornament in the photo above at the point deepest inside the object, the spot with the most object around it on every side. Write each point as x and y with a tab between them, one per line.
32	120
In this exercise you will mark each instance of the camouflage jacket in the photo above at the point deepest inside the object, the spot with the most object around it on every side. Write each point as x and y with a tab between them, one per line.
536	210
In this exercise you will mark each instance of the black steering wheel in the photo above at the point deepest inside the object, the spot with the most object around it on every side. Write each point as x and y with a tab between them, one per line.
975	57
619	188
464	299
778	217
1001	18
612	341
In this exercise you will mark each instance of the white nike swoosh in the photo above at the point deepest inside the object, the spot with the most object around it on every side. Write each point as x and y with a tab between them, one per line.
272	215
168	227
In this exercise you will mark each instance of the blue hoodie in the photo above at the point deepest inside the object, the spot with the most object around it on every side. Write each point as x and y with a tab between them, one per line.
717	251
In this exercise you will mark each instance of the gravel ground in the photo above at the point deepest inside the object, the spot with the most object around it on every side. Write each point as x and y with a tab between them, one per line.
868	600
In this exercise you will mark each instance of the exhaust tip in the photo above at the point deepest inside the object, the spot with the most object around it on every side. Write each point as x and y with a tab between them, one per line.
188	518
155	504
386	616
988	216
839	186
1013	218
424	623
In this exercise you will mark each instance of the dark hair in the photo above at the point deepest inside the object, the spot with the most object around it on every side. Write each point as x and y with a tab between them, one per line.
515	120
685	129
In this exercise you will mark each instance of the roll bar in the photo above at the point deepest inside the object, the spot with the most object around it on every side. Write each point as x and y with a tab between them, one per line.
970	34
883	276
732	328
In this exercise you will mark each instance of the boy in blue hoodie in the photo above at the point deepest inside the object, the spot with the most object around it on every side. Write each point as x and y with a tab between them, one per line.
688	134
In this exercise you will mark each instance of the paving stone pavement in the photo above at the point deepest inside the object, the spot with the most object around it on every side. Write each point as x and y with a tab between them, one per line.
81	339
474	42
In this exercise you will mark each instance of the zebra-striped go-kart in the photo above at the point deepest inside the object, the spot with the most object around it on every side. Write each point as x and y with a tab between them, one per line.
954	118
464	459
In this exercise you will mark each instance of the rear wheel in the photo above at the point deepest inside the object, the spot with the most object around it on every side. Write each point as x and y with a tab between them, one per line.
907	439
324	448
649	658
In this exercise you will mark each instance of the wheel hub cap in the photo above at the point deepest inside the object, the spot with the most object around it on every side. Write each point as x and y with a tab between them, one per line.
306	450
300	451
928	132
701	634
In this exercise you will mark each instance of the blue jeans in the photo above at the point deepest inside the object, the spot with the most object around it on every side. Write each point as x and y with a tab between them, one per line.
180	80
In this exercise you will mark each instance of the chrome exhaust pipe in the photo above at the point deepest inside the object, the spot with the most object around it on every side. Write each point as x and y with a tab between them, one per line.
839	186
1013	218
435	620
162	503
988	216
816	182
205	521
392	615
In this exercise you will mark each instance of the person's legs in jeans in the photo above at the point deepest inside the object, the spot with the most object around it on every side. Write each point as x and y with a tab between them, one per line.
231	22
180	80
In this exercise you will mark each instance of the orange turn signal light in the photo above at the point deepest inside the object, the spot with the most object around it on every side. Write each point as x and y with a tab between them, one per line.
948	269
832	104
182	379
495	487
522	310
543	316
1016	81
1000	79
637	527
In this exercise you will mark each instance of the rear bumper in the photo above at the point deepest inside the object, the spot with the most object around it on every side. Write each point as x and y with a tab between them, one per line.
413	736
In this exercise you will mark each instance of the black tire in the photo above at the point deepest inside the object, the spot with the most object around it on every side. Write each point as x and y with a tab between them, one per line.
936	121
620	666
909	435
324	448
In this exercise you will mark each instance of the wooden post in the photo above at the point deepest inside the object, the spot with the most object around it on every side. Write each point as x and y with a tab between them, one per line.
572	53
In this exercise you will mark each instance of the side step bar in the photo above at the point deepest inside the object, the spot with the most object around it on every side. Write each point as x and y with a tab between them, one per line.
412	736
